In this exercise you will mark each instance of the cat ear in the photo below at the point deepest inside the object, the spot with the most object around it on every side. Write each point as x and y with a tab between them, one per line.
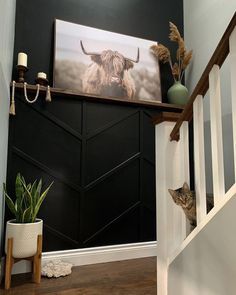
173	194
186	187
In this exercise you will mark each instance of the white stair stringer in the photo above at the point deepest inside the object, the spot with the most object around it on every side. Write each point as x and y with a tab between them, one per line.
205	263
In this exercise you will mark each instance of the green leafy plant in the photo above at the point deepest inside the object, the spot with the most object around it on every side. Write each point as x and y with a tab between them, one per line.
28	199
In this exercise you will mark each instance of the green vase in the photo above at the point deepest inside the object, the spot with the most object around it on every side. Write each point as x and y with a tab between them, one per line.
177	94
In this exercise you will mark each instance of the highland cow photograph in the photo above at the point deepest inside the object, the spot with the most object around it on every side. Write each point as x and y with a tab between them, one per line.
103	63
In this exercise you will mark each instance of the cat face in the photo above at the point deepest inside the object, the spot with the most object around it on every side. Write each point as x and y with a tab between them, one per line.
182	196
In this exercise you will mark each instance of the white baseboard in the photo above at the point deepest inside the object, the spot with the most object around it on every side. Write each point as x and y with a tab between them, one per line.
104	254
95	255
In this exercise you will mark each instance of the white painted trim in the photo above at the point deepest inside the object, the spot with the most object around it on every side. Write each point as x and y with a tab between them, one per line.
231	193
216	134
199	159
232	55
95	255
173	158
184	158
104	254
161	142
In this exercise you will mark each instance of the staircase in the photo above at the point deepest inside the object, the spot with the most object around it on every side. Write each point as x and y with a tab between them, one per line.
202	262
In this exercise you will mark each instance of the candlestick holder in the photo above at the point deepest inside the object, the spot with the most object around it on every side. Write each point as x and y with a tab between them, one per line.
21	73
41	81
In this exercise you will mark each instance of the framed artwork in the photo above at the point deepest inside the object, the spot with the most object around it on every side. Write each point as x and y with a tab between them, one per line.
103	63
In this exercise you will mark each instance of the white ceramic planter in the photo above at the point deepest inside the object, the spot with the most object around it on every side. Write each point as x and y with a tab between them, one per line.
24	236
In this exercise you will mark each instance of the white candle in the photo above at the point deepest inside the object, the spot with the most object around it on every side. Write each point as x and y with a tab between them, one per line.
22	59
42	75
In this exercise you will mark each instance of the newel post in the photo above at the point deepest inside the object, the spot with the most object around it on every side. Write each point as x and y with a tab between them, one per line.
172	170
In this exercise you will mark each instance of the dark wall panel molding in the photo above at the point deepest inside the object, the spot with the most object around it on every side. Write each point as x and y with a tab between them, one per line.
99	180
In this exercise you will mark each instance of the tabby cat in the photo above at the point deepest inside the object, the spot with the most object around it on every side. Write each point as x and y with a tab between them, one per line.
186	198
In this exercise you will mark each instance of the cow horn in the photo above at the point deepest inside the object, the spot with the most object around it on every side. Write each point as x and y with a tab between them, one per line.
86	52
137	59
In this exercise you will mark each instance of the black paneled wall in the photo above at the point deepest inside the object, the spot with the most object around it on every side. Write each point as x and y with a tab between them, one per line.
99	155
101	159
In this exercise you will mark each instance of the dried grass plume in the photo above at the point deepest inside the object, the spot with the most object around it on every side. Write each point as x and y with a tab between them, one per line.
174	33
175	71
186	59
183	56
161	52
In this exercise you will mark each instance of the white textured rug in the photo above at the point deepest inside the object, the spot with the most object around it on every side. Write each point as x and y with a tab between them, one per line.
56	268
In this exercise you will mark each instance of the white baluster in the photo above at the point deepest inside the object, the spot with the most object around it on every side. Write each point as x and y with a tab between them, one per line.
232	55
162	209
216	134
199	158
172	170
184	154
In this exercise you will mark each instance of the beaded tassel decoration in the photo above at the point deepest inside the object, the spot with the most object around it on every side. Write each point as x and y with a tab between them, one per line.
26	96
48	95
12	110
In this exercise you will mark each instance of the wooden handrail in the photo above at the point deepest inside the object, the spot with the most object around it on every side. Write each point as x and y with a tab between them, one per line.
165	117
218	58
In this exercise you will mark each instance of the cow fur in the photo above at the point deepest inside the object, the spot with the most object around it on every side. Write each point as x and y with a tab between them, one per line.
107	67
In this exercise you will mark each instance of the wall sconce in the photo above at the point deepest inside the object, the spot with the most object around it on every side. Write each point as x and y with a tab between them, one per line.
41	80
22	66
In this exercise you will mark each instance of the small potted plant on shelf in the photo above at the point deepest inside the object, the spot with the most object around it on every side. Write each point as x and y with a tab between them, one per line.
26	227
177	93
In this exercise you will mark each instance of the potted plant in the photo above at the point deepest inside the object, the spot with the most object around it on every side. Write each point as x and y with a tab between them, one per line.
26	227
177	93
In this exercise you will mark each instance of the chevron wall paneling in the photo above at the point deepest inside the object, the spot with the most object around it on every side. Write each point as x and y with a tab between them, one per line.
101	159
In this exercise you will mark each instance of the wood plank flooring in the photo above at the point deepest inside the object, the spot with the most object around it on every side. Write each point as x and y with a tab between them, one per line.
129	277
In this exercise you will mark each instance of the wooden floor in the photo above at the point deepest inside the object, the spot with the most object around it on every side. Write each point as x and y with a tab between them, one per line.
130	277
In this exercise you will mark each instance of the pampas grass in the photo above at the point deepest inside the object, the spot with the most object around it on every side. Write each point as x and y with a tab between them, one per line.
183	57
162	52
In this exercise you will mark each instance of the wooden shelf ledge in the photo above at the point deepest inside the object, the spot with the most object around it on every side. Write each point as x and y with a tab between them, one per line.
166	117
57	92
